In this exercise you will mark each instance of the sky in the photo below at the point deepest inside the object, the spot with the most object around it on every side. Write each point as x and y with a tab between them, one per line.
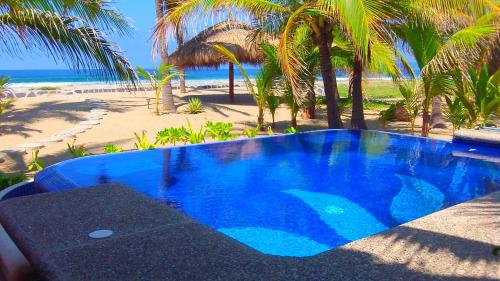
137	47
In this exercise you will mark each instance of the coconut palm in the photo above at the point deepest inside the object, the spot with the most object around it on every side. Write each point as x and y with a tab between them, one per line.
157	79
438	53
162	9
69	30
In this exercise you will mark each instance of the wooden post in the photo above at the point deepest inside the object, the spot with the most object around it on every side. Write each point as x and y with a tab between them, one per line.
231	83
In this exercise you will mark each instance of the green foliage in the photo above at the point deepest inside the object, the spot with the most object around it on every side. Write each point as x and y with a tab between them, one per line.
36	163
345	105
9	180
291	130
220	131
320	100
251	132
273	103
259	97
142	142
456	113
157	79
195	137
4	105
74	32
412	94
270	131
76	151
388	114
484	88
194	106
45	88
172	135
111	148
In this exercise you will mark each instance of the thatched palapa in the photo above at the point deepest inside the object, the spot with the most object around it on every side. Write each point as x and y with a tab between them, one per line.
233	35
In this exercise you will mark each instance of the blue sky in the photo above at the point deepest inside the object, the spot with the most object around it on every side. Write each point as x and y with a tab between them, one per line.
137	47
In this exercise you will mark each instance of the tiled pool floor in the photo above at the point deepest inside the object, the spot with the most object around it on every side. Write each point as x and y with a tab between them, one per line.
453	244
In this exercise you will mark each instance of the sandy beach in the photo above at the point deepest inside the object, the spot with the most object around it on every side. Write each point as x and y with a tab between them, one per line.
35	119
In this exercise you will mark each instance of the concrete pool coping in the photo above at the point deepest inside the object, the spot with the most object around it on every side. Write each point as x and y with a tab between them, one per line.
159	243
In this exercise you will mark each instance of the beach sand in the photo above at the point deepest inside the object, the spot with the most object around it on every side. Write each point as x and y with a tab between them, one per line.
33	119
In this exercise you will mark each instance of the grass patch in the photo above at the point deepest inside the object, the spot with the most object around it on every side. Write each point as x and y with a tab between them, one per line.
45	88
380	89
376	105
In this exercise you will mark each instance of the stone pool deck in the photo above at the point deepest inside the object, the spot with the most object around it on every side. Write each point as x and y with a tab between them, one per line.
154	242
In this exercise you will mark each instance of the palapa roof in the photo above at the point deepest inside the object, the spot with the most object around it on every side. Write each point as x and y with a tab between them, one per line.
233	35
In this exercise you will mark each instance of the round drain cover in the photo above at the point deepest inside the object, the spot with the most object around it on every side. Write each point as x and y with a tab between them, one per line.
99	234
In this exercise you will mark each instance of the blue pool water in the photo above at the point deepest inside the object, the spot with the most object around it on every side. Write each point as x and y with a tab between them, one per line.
297	195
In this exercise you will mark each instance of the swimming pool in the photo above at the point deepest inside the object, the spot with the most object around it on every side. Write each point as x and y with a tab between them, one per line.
297	195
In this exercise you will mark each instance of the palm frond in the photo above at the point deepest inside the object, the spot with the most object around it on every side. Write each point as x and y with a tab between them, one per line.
65	38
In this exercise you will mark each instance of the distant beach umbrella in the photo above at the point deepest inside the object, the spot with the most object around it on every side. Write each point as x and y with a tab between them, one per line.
233	35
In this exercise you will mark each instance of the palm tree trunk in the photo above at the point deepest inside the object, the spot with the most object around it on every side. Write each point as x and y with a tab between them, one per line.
231	83
324	41
358	116
437	118
167	95
182	80
182	72
309	112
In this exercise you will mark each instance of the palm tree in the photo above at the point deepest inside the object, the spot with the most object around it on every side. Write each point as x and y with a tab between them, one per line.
69	30
438	52
167	95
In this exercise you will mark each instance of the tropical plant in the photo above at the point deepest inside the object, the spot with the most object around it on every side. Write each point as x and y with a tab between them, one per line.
36	163
259	98
291	130
220	131
4	104
270	131
484	93
157	79
70	30
273	103
455	112
412	103
76	151
172	135
142	142
112	148
4	86
440	50
251	132
194	106
10	180
193	136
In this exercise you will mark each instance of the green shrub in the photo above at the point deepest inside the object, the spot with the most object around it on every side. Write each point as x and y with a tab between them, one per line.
45	88
195	137
320	100
142	142
76	151
172	135
251	132
111	148
291	130
4	105
9	180
220	131
194	106
36	163
456	113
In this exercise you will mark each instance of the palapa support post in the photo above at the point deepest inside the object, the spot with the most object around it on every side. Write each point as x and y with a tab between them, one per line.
231	83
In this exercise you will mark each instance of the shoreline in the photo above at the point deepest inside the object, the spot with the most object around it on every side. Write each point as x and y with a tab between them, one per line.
20	87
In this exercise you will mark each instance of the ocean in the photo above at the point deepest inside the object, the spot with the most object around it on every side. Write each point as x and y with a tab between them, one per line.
25	79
